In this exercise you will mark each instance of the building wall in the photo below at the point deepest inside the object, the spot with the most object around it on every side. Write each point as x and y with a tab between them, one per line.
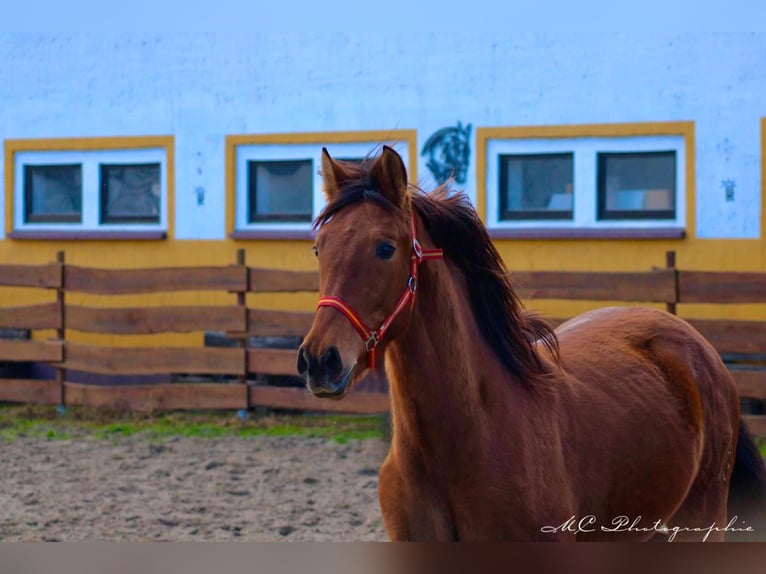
202	88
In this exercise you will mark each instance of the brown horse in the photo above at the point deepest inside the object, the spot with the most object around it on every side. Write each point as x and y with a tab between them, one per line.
623	424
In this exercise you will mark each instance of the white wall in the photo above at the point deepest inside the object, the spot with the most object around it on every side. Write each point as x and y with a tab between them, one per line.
201	87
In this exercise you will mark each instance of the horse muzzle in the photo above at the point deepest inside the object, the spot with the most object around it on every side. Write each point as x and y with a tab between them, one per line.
324	375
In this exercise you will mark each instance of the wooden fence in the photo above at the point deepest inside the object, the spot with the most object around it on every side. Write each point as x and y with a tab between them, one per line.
741	343
237	366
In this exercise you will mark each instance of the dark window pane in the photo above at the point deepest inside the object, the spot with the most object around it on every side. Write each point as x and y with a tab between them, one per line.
637	185
52	193
538	186
280	190
130	193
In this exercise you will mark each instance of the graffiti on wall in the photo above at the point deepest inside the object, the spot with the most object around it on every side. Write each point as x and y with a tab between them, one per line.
448	151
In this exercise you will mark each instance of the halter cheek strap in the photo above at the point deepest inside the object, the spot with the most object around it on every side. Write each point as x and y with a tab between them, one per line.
373	337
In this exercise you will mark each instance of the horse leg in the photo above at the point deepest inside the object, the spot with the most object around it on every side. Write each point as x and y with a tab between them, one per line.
702	515
391	496
411	510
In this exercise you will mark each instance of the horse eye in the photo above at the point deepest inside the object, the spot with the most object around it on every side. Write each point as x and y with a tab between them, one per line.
316	251
385	250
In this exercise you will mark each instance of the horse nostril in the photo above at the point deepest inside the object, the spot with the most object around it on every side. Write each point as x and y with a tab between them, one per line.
331	363
306	363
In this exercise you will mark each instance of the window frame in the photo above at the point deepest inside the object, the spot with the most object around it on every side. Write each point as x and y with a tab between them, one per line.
90	153
240	149
635	137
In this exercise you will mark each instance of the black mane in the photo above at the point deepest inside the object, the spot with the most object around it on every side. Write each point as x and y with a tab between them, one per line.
455	227
508	328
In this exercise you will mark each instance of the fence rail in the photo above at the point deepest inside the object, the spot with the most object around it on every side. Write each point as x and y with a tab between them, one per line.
127	281
742	342
655	286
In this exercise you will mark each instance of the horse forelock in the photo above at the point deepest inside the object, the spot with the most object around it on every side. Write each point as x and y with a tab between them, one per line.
359	187
353	193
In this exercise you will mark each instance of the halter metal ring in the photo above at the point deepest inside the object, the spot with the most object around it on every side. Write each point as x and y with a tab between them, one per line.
417	249
372	342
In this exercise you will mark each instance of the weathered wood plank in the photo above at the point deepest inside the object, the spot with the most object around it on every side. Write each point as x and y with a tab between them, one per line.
756	424
301	399
31	351
271	280
147	320
272	361
268	323
160	397
750	383
733	336
154	360
721	287
649	286
122	281
43	316
29	391
46	276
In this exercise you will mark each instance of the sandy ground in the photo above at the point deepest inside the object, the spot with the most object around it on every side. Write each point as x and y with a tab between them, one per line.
190	489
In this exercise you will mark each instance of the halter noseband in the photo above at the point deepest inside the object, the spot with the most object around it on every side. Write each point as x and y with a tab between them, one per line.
373	337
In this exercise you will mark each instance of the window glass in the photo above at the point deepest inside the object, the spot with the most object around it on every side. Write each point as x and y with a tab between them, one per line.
280	190
637	185
130	193
536	186
53	193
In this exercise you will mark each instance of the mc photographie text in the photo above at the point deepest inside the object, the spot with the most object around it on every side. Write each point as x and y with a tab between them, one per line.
590	523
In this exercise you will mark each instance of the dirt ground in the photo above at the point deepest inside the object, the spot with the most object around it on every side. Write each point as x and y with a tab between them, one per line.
190	489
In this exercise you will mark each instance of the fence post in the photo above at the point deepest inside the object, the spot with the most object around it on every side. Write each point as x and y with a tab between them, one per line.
61	331
670	263
242	341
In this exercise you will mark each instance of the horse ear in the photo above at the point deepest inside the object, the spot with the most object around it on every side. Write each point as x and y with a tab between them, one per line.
390	176
333	176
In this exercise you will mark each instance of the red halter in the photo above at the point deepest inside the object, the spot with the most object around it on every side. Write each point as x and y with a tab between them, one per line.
372	337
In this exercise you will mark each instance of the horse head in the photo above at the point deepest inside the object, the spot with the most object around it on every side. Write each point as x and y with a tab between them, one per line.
367	270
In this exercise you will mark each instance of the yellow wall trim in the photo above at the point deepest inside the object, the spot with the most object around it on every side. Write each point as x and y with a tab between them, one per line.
366	136
14	146
683	128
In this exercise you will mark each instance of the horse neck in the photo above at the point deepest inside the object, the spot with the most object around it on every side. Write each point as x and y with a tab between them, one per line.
439	367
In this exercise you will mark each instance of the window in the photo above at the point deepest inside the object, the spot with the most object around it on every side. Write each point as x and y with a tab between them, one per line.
536	186
590	180
76	186
53	193
275	188
636	185
279	190
130	193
